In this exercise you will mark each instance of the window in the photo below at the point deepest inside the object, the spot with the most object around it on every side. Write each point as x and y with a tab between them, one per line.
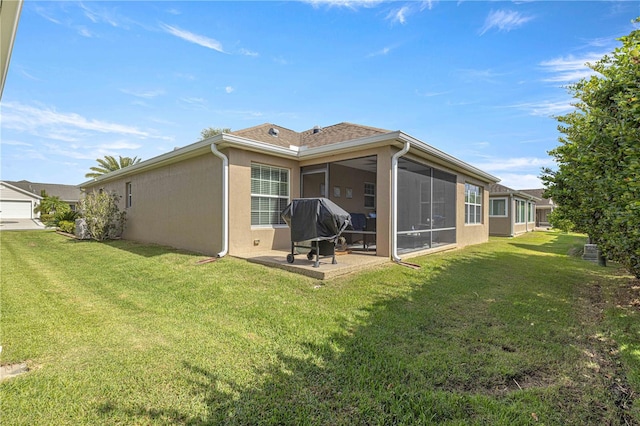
128	196
269	194
472	204
532	212
369	195
521	211
498	207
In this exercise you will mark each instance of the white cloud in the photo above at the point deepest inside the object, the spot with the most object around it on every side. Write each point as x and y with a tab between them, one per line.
146	94
193	38
399	15
569	69
247	52
37	120
428	4
504	20
15	143
84	32
350	4
519	163
380	52
546	108
520	181
97	16
190	102
229	89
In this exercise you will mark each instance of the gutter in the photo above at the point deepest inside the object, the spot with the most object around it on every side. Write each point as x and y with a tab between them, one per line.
225	199
394	201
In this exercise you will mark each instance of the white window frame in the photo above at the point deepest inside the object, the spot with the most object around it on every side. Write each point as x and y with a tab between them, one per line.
371	195
506	207
270	196
532	212
521	212
469	204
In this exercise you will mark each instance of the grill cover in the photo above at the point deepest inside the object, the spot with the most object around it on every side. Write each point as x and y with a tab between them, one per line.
315	218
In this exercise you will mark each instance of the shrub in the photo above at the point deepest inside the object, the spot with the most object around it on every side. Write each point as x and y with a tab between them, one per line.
104	218
47	219
67	226
67	216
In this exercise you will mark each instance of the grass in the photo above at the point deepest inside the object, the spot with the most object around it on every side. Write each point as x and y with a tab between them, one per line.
515	331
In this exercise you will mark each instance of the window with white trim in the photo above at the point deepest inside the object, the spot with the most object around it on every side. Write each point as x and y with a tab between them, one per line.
269	194
498	207
521	211
472	204
532	212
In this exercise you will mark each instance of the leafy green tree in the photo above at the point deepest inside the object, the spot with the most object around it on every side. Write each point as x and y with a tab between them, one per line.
212	131
103	217
110	164
597	181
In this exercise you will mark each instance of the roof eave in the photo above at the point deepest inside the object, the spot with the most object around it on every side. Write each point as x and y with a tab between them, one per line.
448	160
222	140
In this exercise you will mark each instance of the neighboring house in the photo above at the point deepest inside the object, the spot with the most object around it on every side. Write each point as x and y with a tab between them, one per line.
19	198
543	207
511	212
224	194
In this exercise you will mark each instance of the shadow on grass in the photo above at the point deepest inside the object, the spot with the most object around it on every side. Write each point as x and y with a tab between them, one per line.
137	248
561	244
460	347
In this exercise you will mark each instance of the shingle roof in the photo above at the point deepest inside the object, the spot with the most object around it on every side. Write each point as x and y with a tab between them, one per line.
496	188
311	138
67	193
338	133
538	193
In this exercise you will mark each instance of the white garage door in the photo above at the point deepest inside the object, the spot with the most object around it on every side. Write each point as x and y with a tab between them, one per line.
15	210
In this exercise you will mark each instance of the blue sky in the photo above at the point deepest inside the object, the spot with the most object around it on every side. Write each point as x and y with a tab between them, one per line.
478	80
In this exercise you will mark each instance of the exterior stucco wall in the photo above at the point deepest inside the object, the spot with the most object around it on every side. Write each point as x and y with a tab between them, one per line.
244	238
476	233
176	205
521	228
500	226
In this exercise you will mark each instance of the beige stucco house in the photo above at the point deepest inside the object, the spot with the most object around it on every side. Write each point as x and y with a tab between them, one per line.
511	212
19	198
224	194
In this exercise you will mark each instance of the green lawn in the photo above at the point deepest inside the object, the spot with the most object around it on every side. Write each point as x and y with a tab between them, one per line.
515	331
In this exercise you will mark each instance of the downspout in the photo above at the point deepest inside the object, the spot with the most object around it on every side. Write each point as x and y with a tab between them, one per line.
394	201
225	199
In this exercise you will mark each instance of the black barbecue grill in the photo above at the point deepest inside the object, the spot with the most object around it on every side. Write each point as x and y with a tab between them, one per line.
316	224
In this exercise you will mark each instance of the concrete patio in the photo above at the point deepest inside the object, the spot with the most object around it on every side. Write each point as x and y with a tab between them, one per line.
346	263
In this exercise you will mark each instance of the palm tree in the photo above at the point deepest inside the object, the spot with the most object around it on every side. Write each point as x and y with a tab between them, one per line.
109	164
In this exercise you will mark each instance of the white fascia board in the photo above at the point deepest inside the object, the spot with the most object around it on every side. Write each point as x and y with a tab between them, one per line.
527	197
448	159
251	145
